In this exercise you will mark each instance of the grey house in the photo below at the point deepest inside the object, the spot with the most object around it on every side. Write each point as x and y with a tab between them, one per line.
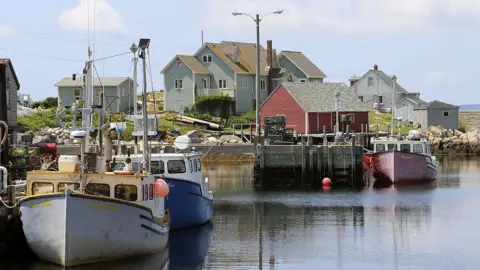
437	113
375	89
226	68
12	86
299	67
118	93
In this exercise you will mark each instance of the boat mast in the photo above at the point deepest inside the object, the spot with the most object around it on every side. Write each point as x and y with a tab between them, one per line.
393	104
134	50
143	45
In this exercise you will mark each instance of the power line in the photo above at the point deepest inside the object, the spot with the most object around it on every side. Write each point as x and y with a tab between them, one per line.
45	56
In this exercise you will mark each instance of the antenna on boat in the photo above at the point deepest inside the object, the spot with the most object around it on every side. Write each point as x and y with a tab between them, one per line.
394	78
143	45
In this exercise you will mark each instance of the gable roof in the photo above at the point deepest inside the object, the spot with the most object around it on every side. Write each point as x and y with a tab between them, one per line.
320	97
105	81
415	100
246	53
303	63
190	61
388	79
436	104
7	61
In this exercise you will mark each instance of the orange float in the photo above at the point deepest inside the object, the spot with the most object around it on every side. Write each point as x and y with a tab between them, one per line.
161	188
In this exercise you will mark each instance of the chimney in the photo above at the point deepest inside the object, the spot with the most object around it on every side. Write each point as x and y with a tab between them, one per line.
269	64
375	67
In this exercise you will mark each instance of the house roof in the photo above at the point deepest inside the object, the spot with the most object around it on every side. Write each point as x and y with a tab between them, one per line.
436	104
7	61
416	100
303	63
190	61
320	97
245	53
388	79
105	81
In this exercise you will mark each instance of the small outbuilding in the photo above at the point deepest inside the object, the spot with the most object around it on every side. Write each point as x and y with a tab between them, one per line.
309	107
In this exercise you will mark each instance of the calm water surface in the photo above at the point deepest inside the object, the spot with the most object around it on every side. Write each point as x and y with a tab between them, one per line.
422	227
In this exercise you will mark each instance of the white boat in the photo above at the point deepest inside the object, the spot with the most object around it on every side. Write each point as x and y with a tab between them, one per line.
190	200
85	213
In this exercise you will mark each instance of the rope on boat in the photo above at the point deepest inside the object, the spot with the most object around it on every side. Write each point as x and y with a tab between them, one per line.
8	206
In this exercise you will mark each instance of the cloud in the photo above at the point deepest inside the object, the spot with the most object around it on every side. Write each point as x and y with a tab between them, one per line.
6	31
107	19
346	17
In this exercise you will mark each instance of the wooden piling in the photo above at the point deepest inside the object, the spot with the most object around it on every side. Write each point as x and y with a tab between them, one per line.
353	165
261	155
304	163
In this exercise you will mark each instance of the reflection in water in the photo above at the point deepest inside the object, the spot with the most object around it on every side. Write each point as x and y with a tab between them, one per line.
189	247
400	227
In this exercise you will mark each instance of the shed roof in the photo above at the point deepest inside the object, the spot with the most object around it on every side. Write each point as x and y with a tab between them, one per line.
7	61
303	63
190	61
103	81
436	104
320	97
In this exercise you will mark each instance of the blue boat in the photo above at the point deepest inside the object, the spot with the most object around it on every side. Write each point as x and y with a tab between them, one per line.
188	248
190	200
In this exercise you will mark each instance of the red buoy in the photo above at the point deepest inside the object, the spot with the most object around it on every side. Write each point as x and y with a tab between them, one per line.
326	182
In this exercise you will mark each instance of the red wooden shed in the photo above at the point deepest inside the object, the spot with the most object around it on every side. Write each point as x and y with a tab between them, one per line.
308	107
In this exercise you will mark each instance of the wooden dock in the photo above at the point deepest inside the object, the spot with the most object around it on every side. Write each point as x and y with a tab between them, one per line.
306	165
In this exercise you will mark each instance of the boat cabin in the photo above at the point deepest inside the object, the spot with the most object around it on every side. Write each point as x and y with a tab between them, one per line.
174	165
409	146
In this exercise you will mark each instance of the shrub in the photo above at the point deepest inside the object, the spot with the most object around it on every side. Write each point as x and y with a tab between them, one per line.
50	102
463	126
220	106
246	118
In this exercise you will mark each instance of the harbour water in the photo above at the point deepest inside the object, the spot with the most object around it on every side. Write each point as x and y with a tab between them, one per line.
416	227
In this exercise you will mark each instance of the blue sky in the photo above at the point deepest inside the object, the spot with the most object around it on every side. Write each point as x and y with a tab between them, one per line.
431	45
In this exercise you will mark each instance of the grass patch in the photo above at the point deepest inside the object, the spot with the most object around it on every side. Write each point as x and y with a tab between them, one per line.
384	120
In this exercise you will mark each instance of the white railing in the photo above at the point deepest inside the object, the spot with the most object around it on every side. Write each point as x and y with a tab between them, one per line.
216	92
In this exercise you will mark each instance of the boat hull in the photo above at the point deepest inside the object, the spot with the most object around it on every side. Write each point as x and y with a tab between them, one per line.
188	204
73	229
402	167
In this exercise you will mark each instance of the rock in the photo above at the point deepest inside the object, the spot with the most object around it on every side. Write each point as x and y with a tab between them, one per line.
212	140
228	138
76	141
68	142
25	111
59	141
192	134
233	141
43	139
435	131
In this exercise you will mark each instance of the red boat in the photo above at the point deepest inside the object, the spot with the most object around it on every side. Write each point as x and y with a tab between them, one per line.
401	161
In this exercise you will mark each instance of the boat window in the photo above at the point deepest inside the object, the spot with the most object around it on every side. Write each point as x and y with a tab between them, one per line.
199	165
176	166
427	148
98	189
380	148
392	147
417	148
157	167
126	192
150	192
191	165
42	188
145	192
118	166
195	166
62	186
405	147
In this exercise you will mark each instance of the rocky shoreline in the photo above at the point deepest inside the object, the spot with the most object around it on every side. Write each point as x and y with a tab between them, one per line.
446	142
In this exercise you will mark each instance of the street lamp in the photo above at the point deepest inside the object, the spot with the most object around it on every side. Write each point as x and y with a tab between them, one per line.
257	21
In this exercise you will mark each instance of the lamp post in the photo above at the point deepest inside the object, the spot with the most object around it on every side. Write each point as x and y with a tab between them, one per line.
257	21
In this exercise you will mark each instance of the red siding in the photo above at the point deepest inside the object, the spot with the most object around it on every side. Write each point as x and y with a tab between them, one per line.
281	102
318	120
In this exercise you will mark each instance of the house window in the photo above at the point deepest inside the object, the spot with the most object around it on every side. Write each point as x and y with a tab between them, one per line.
380	99
179	63
303	80
178	84
262	85
222	84
361	98
370	81
244	83
204	83
207	58
77	92
445	113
